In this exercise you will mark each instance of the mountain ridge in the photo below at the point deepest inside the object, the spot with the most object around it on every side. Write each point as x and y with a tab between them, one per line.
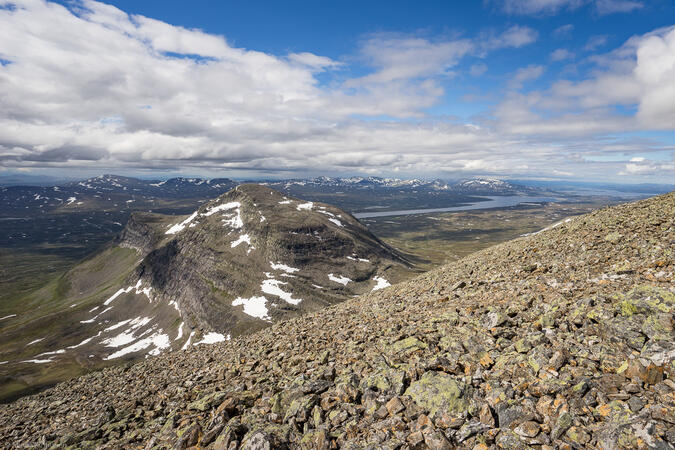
561	339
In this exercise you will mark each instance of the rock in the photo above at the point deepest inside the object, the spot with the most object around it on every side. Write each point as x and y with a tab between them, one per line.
562	424
188	437
435	440
508	415
493	319
207	401
527	429
577	436
613	237
262	440
315	440
438	392
486	415
394	406
470	429
406	346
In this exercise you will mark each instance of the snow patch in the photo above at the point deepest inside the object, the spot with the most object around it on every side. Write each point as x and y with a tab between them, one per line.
180	226
189	339
242	238
180	331
213	338
71	200
84	342
358	259
305	206
339	279
381	283
284	267
336	222
223	207
254	307
35	341
158	340
271	286
96	316
8	317
118	325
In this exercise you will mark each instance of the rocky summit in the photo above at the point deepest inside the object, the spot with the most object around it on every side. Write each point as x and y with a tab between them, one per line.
561	339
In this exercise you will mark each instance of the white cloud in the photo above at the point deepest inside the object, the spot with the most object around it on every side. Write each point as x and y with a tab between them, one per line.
537	7
550	7
642	166
595	42
477	70
402	58
561	54
617	6
525	74
563	31
514	37
639	77
97	88
655	73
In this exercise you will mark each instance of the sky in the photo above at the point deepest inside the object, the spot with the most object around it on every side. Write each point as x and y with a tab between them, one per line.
540	89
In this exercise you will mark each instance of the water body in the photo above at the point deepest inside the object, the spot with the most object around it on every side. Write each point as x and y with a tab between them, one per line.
500	201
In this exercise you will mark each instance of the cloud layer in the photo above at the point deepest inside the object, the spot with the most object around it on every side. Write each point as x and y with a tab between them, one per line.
94	87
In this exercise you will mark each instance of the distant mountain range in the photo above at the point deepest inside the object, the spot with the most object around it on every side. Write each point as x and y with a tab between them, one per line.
113	191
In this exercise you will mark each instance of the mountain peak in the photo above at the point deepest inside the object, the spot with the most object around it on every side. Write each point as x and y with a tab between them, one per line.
245	260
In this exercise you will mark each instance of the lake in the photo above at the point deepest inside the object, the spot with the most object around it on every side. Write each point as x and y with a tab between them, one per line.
497	201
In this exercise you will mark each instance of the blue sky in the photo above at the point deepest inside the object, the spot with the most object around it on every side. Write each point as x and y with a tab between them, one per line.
529	88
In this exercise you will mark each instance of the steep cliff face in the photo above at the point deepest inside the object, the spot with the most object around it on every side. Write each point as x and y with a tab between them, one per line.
248	259
142	232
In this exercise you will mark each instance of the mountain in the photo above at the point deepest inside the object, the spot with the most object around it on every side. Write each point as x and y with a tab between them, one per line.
491	186
249	258
475	186
77	218
561	339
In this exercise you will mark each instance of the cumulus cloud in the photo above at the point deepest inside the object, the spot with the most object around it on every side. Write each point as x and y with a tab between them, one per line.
617	6
400	58
514	37
525	74
561	54
595	42
550	7
477	70
90	86
536	7
563	31
639	76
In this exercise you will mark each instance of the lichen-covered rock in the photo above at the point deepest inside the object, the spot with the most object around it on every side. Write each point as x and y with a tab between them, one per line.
439	392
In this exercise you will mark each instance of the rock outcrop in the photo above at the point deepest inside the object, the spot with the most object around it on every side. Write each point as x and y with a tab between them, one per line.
562	339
